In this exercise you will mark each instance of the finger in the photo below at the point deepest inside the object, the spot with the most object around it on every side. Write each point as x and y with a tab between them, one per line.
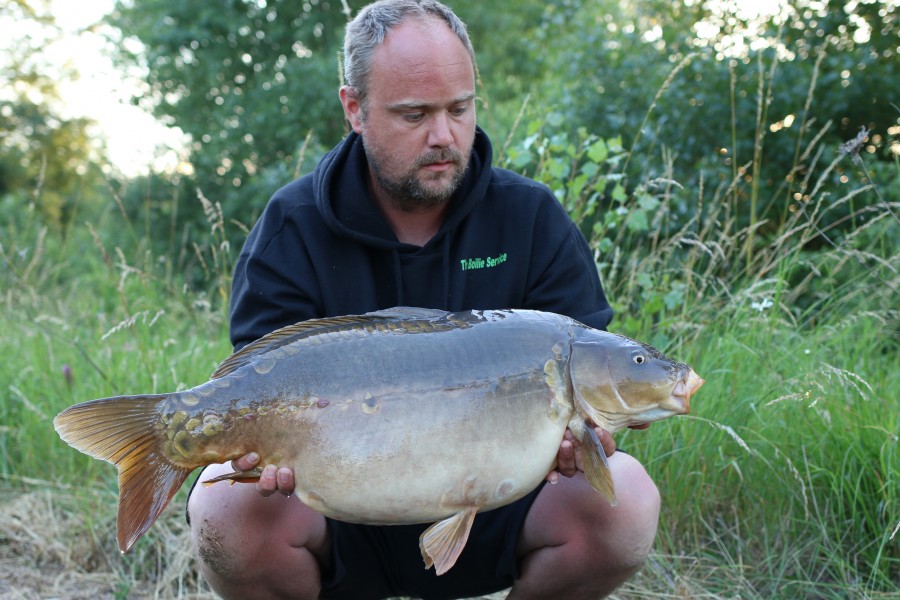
285	480
246	462
268	482
579	458
566	459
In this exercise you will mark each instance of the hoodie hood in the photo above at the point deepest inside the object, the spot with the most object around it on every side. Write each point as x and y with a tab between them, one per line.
347	207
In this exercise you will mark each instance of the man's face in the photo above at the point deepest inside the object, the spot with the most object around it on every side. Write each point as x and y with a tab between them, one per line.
418	121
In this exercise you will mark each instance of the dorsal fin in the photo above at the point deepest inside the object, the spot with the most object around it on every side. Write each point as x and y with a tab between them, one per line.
411	313
306	329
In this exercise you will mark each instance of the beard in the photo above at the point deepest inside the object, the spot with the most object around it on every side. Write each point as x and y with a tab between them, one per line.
409	192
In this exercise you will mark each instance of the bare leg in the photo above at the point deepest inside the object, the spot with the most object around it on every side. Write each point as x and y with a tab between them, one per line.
575	545
252	546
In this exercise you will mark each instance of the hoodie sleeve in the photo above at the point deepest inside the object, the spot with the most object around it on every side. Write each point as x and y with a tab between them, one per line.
563	277
273	278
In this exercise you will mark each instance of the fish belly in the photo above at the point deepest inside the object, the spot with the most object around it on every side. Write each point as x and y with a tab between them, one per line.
412	464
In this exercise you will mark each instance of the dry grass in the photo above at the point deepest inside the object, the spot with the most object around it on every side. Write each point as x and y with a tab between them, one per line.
55	546
49	549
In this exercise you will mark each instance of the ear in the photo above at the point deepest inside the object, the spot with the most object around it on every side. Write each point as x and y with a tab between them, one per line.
352	107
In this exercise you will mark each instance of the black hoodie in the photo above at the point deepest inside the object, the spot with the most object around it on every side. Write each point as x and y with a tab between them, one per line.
322	248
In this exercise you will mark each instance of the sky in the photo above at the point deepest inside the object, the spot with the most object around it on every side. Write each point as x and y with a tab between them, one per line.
135	141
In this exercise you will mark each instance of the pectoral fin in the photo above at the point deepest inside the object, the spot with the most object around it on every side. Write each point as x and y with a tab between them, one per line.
250	476
442	543
596	465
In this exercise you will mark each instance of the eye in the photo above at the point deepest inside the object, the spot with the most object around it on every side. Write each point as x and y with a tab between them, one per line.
639	359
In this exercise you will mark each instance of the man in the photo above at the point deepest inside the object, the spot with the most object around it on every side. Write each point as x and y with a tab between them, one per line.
407	210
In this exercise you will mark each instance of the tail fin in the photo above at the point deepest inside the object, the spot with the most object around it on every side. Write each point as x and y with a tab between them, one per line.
122	431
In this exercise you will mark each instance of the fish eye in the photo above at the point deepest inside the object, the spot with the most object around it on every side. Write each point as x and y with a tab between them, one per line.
639	359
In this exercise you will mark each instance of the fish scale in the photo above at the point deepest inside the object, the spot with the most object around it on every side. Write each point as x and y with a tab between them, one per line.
399	416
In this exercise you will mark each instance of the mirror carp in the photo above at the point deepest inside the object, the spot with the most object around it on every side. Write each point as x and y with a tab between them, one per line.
403	415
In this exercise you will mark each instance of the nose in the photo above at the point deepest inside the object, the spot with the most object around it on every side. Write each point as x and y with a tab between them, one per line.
439	133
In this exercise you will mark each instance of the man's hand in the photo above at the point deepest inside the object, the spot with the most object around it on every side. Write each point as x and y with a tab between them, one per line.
569	457
271	480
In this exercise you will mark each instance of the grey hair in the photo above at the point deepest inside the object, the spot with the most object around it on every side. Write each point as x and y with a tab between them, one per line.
368	29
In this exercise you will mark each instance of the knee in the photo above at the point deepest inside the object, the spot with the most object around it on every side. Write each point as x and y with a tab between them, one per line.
636	515
248	545
232	570
635	489
226	551
220	561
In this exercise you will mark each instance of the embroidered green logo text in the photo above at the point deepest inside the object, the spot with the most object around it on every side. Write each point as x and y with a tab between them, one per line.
470	264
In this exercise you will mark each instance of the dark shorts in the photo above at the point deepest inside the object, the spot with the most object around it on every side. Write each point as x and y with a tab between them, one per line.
372	562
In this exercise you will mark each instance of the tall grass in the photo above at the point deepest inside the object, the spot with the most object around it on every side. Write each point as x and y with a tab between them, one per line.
82	319
784	481
787	474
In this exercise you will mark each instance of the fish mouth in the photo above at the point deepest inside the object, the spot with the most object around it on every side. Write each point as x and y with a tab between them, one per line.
686	387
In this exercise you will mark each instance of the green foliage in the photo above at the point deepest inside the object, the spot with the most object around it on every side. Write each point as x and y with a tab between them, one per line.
796	433
693	83
842	222
255	86
833	64
793	431
88	319
760	251
799	345
785	477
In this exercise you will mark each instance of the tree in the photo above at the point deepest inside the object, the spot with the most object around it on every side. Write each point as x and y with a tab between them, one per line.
247	80
855	83
718	88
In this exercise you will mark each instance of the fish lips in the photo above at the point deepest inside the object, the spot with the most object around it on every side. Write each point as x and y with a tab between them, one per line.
685	388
